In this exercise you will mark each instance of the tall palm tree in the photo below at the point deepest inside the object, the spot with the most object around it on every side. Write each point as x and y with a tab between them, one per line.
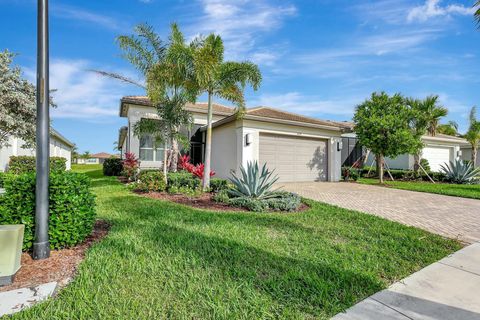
433	113
473	134
222	79
450	128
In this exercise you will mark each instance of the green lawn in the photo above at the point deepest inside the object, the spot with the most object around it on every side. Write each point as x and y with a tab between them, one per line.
163	260
456	190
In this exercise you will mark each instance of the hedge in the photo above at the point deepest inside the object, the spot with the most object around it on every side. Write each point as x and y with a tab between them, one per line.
150	181
72	207
182	180
397	174
112	167
24	164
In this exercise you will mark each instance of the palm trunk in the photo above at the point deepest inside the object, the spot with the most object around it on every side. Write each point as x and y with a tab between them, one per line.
380	167
208	145
416	163
165	163
474	155
174	162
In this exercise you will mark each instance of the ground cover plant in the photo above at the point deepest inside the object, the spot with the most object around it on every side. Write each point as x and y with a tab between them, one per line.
164	260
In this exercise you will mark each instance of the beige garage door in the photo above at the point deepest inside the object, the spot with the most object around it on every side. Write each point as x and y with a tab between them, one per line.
294	158
437	156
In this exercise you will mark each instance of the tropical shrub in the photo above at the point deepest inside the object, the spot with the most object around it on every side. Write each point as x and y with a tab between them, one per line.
24	164
424	163
112	167
221	196
252	204
279	201
72	207
217	184
252	182
196	170
2	177
182	179
461	172
350	173
151	180
130	166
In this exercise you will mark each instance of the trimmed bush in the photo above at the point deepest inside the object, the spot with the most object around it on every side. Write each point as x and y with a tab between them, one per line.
252	204
280	201
112	167
182	179
150	181
404	175
284	201
25	164
217	184
2	177
72	207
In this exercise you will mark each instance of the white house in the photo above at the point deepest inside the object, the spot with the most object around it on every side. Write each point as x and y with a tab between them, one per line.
299	148
59	147
96	158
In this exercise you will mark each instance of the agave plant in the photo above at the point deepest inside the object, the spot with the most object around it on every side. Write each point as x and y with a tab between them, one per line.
461	172
253	182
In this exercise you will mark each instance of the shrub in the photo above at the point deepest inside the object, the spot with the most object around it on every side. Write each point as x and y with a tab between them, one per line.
2	177
112	167
424	163
217	184
130	166
182	179
252	182
252	204
284	201
405	175
350	173
24	164
186	191
151	181
278	201
221	196
461	172
196	170
72	207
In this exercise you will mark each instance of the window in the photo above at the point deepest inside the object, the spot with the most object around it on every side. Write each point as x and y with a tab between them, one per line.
147	150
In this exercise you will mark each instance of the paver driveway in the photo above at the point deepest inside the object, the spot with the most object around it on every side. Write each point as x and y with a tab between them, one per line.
448	216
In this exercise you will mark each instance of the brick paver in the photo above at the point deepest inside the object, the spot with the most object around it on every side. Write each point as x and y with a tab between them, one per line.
452	217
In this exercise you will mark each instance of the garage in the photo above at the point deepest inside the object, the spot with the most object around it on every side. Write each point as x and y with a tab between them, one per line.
295	159
437	156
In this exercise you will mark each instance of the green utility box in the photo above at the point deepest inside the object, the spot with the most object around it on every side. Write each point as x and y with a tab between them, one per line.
11	241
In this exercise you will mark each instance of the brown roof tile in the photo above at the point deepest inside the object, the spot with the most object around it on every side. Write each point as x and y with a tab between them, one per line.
101	155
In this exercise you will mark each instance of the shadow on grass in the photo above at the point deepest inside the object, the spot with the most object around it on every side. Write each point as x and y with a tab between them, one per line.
310	287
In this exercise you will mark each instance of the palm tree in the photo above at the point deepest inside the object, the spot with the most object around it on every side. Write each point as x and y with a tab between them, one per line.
450	128
473	134
477	13
86	155
226	80
74	151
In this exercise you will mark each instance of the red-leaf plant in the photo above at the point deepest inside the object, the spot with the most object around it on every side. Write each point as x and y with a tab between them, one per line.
195	170
130	165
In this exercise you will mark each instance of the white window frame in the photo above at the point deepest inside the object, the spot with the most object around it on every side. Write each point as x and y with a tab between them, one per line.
154	150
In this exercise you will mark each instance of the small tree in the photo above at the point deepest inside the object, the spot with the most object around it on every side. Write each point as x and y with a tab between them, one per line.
383	125
473	134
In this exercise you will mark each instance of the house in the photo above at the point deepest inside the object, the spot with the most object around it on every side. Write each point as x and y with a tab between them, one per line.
438	150
59	147
466	149
97	158
298	148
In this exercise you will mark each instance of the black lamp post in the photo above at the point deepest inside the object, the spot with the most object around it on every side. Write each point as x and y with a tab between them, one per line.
41	245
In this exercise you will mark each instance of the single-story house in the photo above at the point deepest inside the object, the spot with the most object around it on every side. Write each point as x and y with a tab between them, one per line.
297	147
97	158
466	150
59	147
438	150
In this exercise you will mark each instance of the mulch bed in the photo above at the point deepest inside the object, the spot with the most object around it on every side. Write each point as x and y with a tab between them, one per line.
203	201
60	267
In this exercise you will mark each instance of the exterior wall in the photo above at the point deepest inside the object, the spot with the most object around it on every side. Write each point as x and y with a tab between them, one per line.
467	154
224	151
245	153
135	114
57	149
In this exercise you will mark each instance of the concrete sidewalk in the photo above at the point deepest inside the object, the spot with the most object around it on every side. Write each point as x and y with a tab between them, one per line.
447	289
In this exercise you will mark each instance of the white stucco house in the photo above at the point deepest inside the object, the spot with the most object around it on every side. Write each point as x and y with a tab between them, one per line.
299	148
96	158
59	147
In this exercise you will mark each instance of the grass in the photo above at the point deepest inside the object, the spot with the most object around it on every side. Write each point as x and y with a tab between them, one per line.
456	190
164	260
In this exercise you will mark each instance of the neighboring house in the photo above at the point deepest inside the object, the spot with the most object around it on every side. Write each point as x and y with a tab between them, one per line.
59	147
466	149
299	148
97	158
438	150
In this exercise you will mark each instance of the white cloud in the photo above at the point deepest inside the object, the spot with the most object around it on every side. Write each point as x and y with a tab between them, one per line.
241	23
432	9
69	12
309	104
82	94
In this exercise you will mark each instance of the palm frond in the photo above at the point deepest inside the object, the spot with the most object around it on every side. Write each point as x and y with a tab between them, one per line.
117	76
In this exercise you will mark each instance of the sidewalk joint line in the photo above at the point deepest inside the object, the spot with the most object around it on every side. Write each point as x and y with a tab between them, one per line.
446	264
392	308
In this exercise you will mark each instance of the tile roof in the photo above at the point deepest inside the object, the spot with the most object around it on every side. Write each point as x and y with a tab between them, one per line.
199	106
101	155
267	112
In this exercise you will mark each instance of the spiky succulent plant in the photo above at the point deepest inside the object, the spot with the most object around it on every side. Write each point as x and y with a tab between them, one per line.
461	172
253	182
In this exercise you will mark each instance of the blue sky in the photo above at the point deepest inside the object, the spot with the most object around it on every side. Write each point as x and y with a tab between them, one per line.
320	58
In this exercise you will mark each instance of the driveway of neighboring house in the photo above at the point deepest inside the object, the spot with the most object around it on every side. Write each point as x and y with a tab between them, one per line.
448	216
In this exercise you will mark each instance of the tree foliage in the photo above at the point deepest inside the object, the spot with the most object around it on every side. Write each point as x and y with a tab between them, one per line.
383	124
450	128
17	103
473	134
477	13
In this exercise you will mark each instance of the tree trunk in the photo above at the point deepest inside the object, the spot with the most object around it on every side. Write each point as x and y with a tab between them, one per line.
208	145
474	156
380	167
416	164
174	162
165	163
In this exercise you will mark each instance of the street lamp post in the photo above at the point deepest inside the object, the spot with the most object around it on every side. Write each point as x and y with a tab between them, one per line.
41	245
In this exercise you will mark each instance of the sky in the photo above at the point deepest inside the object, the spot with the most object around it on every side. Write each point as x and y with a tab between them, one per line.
318	58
